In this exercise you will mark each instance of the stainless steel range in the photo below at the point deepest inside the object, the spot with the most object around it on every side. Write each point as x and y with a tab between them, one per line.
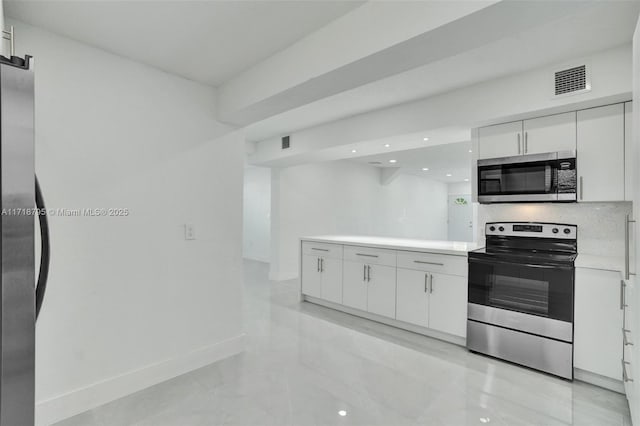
521	295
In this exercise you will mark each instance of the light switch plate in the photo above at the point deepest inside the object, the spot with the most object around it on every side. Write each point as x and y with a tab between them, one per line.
189	232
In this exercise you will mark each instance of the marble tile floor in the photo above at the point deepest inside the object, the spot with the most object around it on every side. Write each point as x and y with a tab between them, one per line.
309	365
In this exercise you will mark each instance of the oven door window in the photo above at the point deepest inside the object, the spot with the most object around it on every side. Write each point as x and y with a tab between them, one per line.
541	290
522	178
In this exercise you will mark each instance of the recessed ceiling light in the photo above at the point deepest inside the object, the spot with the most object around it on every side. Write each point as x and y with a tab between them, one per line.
342	413
449	175
386	145
425	139
466	180
353	151
485	419
470	150
424	169
393	161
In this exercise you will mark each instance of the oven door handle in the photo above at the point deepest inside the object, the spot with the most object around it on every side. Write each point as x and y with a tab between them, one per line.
526	265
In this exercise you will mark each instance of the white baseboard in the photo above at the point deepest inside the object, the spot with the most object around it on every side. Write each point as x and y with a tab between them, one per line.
598	380
77	401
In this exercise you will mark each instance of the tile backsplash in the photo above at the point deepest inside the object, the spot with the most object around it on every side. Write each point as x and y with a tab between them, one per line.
600	225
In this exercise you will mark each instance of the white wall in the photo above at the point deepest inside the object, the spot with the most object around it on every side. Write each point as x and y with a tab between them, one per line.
257	214
459	188
129	301
347	198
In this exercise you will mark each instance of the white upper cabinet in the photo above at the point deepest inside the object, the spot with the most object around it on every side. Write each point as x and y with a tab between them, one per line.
629	172
601	159
501	140
550	134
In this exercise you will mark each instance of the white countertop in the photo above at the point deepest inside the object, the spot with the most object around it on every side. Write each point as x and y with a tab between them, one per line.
607	263
456	248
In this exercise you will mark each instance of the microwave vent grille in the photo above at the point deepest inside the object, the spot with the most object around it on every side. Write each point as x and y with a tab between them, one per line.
571	80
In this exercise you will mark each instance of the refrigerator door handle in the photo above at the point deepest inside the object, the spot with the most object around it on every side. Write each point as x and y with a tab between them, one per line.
45	258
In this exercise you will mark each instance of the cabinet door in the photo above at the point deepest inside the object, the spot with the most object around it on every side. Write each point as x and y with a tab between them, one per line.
550	134
501	140
354	285
629	170
311	278
448	304
331	271
598	322
601	153
381	297
413	297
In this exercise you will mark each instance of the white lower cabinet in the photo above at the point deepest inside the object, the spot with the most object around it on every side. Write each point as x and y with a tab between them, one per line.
597	342
331	272
354	285
381	285
448	304
413	297
311	277
420	288
370	288
322	272
436	301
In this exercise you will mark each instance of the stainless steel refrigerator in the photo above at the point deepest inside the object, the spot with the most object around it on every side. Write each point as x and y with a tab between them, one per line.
20	297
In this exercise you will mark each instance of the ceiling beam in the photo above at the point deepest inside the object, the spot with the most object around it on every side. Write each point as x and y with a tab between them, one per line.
375	41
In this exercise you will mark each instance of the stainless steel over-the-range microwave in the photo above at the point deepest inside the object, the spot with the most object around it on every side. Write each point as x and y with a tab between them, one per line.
548	177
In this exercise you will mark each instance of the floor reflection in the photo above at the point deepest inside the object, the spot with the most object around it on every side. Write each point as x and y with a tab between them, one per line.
309	365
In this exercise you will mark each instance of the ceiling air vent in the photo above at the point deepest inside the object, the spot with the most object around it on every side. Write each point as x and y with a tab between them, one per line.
286	143
571	80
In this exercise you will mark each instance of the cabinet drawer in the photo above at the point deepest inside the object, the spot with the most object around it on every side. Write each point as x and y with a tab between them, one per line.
440	263
370	255
322	249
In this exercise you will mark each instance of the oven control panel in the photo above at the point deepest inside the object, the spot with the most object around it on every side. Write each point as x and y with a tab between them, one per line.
533	229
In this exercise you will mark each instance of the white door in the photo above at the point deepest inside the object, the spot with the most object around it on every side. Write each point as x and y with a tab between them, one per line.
381	298
311	278
598	322
550	134
501	140
354	285
601	153
460	217
412	297
331	271
448	304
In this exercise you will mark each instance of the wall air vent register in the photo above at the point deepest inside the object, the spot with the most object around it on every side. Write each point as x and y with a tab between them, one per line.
572	80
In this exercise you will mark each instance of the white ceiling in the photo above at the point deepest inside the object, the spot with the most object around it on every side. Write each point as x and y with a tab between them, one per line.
206	41
451	158
604	25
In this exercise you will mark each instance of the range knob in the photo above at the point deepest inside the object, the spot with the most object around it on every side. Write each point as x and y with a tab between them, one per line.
555	230
501	229
492	228
567	230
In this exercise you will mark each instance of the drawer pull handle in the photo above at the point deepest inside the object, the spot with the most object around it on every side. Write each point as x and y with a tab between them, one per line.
318	249
367	255
428	263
